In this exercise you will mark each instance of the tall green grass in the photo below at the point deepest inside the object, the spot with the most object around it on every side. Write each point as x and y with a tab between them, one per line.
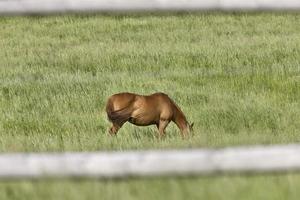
236	76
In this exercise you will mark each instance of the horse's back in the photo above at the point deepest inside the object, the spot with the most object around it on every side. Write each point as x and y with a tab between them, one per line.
161	99
120	100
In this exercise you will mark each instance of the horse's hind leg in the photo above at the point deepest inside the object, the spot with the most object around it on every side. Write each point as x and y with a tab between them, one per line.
114	129
162	126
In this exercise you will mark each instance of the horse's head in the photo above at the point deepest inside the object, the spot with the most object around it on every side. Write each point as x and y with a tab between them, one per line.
188	130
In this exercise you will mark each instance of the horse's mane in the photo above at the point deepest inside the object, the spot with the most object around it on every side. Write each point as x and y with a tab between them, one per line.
178	111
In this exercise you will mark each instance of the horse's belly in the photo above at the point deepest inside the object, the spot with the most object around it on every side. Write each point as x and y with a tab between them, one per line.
141	121
143	118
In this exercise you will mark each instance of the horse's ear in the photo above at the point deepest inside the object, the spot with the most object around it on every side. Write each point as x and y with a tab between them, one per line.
192	124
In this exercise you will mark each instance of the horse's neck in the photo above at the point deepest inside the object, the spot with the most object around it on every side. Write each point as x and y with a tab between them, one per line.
180	119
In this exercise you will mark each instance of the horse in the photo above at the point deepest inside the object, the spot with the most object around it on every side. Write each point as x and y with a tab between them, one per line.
141	110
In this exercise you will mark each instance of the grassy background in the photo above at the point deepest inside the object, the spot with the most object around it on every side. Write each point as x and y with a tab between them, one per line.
237	76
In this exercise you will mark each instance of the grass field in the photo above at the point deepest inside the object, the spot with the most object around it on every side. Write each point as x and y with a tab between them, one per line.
236	76
277	187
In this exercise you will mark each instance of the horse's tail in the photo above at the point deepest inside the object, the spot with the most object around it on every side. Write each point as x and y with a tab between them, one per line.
117	116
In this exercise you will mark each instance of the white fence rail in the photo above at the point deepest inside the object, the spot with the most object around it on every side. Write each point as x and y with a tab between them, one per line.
13	7
151	163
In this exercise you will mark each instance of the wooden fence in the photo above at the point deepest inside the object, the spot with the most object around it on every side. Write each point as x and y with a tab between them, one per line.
257	159
17	7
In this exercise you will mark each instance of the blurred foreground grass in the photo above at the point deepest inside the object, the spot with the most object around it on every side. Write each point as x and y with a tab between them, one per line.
269	187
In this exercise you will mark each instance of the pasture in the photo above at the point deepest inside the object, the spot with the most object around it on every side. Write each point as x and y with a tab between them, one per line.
236	76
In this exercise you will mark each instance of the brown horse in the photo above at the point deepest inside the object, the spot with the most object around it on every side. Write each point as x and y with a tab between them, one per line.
158	109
